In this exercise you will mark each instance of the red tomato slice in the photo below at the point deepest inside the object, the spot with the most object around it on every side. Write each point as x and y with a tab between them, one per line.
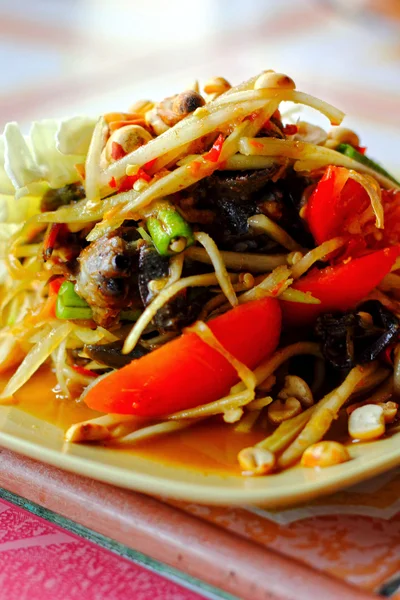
340	287
335	208
187	372
335	199
391	207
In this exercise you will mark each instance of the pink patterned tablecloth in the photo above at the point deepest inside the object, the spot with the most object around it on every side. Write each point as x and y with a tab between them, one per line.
40	561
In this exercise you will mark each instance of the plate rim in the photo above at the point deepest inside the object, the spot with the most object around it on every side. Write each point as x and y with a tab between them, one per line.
267	497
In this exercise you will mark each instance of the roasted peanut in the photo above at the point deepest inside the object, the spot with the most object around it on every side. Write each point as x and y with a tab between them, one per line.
216	85
324	454
129	138
367	422
270	79
296	387
186	103
342	135
280	411
154	121
389	410
256	461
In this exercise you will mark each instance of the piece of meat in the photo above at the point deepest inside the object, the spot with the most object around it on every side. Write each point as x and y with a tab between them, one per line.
106	278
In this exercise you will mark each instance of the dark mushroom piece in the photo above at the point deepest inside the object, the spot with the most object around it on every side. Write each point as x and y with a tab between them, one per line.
356	337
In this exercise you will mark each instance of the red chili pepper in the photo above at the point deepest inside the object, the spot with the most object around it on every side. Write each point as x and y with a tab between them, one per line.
128	181
187	372
215	152
141	174
387	354
340	287
55	284
117	151
361	149
112	183
83	371
290	129
52	233
149	164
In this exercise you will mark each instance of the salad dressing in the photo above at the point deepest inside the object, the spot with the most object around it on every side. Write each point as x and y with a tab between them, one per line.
211	445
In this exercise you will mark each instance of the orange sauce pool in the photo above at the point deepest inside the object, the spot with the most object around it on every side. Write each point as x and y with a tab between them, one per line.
209	446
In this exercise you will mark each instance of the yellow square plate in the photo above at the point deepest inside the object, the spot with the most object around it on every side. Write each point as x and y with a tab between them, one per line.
33	437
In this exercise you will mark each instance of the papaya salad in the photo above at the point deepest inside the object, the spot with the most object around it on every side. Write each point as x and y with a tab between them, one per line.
209	256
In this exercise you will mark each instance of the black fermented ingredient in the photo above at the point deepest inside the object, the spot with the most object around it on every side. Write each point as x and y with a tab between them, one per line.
111	354
152	266
235	196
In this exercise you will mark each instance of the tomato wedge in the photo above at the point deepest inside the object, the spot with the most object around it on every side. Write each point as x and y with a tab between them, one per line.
187	372
335	208
334	201
340	287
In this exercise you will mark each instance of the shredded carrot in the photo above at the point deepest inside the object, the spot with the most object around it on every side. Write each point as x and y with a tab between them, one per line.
55	284
119	116
118	124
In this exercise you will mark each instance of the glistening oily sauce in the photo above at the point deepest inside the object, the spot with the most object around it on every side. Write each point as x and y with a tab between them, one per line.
211	445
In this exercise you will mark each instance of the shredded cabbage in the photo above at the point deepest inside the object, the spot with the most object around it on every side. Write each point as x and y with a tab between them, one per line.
7	230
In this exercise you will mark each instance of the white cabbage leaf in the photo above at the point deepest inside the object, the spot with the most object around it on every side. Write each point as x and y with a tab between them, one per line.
74	134
46	157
